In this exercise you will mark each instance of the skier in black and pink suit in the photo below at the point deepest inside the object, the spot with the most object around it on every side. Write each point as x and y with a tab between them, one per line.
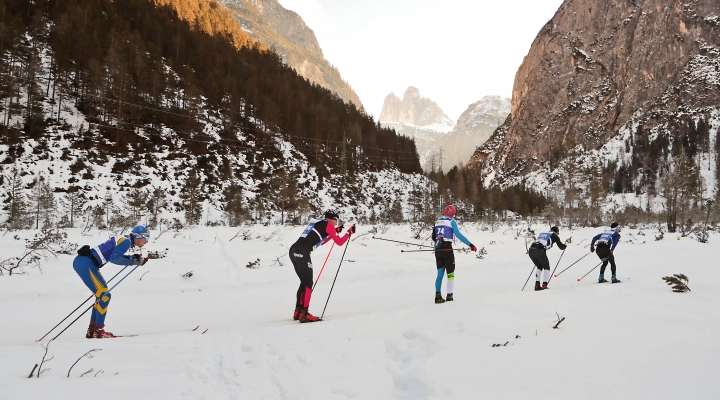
317	233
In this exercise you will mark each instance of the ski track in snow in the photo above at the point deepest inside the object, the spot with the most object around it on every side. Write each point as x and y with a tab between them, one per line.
383	337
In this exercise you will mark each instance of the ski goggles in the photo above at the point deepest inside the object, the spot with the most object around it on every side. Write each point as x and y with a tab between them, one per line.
145	236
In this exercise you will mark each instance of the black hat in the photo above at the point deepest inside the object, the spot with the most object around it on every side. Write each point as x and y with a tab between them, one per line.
331	214
614	225
555	229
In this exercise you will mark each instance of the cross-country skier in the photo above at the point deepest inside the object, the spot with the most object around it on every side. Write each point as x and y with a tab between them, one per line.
445	230
538	255
606	243
88	263
318	232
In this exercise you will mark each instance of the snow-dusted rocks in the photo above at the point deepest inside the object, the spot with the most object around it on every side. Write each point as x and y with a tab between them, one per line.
423	120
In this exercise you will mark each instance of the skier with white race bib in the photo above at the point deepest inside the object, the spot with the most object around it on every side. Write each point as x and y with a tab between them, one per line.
606	243
538	255
444	232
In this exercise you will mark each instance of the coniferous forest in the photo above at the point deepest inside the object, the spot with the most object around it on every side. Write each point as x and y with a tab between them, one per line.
113	61
119	81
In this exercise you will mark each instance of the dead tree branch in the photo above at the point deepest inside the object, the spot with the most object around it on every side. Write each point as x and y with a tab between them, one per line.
88	355
40	370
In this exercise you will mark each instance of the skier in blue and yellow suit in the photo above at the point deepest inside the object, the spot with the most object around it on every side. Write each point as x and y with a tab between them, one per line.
88	263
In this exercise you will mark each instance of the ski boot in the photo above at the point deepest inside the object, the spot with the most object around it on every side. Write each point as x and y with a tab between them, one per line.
91	331
438	298
296	314
602	279
101	334
538	287
449	297
614	279
544	286
305	316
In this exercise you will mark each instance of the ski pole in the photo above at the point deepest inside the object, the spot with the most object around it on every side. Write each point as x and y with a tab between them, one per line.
397	241
592	269
558	274
556	265
336	275
528	279
323	267
413	251
93	304
78	307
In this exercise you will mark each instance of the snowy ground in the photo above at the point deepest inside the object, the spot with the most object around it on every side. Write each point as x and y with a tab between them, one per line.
383	337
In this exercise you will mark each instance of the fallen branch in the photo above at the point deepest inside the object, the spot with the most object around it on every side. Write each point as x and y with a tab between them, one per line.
560	319
88	355
33	371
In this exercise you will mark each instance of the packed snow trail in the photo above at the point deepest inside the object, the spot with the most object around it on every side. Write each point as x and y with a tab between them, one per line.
383	336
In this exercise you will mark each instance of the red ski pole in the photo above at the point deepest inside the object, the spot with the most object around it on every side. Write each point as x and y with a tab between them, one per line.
591	270
323	267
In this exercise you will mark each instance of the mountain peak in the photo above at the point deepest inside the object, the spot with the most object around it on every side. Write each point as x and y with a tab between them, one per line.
415	110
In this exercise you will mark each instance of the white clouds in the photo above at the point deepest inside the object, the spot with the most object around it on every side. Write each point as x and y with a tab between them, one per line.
454	51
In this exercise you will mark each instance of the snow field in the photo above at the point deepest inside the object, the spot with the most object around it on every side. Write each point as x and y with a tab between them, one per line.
383	336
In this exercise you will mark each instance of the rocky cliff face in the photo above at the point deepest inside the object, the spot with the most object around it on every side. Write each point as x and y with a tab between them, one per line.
644	71
423	120
473	128
413	109
419	118
285	32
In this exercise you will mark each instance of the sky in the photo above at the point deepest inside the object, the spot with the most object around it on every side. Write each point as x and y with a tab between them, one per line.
454	51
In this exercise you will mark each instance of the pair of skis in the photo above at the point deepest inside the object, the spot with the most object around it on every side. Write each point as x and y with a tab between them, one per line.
137	264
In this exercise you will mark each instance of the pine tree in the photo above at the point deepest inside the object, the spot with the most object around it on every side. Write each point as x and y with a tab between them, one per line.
191	197
73	202
156	203
108	207
136	202
679	181
17	204
43	202
395	212
235	212
570	172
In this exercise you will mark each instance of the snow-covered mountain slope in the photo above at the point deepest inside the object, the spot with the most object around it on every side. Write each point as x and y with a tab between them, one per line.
106	128
383	336
284	31
473	128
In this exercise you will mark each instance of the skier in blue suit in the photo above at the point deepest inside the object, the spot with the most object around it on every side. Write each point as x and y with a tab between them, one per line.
444	231
88	263
606	243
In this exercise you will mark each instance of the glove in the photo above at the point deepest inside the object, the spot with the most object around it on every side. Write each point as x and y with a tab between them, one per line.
611	252
473	248
338	229
569	240
351	230
592	248
139	260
